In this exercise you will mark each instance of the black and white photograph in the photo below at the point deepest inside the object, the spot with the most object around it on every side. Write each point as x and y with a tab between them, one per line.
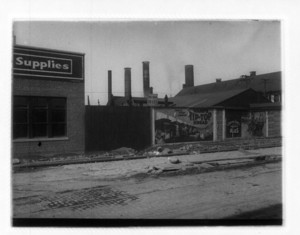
147	122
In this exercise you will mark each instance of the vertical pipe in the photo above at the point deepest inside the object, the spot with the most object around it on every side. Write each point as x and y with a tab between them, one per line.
189	76
223	125
127	83
146	78
214	125
109	87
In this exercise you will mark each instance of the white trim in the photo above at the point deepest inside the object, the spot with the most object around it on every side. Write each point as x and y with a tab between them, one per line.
40	139
51	51
53	77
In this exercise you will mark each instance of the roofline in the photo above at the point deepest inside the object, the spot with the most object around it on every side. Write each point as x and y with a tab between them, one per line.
47	49
240	78
186	88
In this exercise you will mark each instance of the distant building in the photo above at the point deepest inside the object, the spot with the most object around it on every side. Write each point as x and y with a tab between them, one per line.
247	107
149	99
267	85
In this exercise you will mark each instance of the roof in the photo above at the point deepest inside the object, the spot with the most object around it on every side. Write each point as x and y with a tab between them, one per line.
121	100
205	99
257	83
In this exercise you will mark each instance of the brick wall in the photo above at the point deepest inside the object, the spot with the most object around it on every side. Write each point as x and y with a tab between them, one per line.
74	92
274	123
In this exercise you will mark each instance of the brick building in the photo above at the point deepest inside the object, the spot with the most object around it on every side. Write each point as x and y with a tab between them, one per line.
48	102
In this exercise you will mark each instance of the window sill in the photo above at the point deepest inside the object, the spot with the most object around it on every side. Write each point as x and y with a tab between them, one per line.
40	139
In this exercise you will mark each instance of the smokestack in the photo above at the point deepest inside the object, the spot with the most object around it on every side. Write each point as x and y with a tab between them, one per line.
127	83
146	79
109	87
189	76
252	73
151	90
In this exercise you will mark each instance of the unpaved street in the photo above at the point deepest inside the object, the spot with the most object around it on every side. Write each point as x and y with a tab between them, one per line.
213	195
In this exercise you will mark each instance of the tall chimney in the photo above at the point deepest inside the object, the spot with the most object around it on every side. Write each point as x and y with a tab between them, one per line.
151	90
189	76
127	83
109	87
146	78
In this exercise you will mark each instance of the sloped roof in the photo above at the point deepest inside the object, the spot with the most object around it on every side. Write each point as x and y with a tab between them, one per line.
121	100
257	83
205	99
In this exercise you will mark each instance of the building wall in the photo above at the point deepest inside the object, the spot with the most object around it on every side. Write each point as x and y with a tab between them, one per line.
74	93
274	123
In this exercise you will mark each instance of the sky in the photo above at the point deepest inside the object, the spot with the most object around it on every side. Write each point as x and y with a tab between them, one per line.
217	49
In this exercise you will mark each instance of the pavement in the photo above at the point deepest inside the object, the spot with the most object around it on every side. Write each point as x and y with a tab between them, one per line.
132	189
166	150
157	165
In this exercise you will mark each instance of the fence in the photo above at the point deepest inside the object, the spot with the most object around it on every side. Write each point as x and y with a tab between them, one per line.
111	127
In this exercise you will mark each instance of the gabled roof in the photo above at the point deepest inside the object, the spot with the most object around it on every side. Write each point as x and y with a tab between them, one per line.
205	100
257	83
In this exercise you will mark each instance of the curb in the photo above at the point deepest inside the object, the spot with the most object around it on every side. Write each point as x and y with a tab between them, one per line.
109	159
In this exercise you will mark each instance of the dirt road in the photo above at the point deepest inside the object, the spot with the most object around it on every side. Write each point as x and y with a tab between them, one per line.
213	195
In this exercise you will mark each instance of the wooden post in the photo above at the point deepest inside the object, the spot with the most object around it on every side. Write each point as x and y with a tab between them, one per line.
223	125
214	125
152	126
267	124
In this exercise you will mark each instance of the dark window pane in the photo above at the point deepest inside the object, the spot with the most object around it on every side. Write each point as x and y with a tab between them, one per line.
20	130
39	102
20	116
39	130
20	101
58	103
58	116
39	115
58	130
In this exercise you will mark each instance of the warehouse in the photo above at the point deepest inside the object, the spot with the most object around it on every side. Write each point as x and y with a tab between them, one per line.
48	102
247	107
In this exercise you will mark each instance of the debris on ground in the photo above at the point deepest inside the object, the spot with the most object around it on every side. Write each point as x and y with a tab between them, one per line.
166	151
15	161
123	151
205	165
173	160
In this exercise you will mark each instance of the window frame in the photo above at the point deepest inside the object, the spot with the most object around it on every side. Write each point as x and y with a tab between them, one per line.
30	103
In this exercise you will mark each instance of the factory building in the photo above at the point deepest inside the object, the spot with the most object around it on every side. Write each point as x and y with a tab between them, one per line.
147	100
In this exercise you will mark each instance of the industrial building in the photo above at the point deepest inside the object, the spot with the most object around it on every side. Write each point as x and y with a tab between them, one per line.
47	102
148	99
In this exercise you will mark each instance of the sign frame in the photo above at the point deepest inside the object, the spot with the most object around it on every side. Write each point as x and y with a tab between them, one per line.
76	63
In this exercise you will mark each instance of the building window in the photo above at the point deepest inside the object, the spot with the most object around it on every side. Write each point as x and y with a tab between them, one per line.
36	117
